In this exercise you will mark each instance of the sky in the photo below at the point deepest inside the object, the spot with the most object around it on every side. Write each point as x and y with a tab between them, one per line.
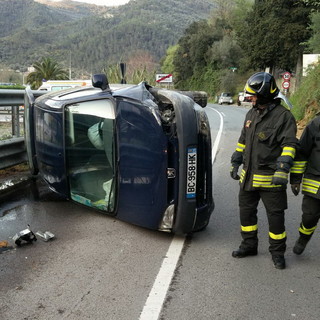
103	2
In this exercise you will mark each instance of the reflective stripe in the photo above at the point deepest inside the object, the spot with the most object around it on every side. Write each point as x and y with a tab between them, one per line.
242	175
260	177
240	147
273	90
263	181
280	174
288	151
307	231
310	189
298	167
249	228
247	88
310	182
311	186
277	236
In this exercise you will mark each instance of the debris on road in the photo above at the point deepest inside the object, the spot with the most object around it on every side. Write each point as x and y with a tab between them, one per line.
4	246
45	236
25	235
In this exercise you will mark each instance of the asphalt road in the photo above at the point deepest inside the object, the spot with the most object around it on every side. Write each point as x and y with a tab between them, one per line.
101	268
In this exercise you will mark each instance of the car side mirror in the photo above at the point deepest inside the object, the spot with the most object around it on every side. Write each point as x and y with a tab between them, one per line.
100	81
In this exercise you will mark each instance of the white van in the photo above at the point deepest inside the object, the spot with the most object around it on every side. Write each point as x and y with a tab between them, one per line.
55	85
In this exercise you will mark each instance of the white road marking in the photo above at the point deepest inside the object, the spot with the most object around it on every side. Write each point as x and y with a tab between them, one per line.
217	140
157	295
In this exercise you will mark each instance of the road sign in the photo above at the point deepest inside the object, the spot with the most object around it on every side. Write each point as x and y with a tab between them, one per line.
164	78
286	84
286	76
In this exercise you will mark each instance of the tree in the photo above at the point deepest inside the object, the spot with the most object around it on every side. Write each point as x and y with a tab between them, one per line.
191	55
314	42
46	69
274	32
167	62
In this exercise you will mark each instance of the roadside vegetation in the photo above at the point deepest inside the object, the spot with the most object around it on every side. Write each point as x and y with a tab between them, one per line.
214	54
242	37
12	86
306	100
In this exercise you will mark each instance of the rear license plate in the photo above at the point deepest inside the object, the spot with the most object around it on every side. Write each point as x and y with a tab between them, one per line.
191	172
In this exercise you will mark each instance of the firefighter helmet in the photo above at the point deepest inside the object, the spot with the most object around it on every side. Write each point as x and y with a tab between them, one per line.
262	84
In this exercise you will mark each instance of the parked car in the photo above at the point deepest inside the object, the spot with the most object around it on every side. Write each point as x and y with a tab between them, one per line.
138	153
243	98
225	97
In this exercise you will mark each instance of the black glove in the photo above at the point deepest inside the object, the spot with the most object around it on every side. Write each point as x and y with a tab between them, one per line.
237	158
236	161
280	178
295	189
284	163
234	173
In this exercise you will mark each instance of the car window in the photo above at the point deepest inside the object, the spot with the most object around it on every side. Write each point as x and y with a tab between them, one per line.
90	151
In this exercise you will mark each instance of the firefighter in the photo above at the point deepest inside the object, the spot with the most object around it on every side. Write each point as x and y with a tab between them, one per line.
266	149
306	167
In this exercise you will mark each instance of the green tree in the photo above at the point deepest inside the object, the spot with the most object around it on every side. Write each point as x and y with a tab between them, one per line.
167	64
314	42
46	69
113	73
273	33
191	55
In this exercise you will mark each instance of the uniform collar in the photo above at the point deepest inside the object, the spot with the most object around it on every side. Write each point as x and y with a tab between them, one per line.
267	108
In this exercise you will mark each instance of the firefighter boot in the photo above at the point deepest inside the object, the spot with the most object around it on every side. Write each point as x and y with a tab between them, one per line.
300	245
242	253
278	261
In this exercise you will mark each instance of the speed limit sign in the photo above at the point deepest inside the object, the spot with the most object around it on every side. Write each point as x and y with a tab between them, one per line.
285	84
286	76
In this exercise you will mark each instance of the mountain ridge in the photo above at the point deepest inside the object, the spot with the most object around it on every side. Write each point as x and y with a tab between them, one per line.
92	38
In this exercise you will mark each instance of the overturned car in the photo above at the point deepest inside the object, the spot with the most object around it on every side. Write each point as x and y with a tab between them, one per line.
138	153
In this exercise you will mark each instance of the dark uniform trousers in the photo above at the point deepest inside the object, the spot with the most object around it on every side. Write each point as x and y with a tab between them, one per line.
275	203
310	216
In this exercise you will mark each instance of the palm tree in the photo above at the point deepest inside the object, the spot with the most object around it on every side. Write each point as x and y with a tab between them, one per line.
46	69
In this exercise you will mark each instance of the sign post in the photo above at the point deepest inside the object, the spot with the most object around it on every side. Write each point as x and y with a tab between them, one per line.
286	81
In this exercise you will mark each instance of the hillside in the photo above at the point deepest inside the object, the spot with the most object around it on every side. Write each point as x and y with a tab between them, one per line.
92	37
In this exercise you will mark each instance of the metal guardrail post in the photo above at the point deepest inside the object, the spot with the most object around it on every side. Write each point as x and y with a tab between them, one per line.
15	121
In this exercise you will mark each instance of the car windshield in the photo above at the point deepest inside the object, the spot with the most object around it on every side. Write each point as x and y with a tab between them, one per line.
90	153
225	94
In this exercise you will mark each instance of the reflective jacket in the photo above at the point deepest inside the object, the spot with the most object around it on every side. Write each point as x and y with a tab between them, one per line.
266	136
306	165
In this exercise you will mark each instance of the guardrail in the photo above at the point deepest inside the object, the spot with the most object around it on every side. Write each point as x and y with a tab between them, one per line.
12	151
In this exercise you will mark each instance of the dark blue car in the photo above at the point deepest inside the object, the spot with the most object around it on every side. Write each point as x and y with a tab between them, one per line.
139	153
